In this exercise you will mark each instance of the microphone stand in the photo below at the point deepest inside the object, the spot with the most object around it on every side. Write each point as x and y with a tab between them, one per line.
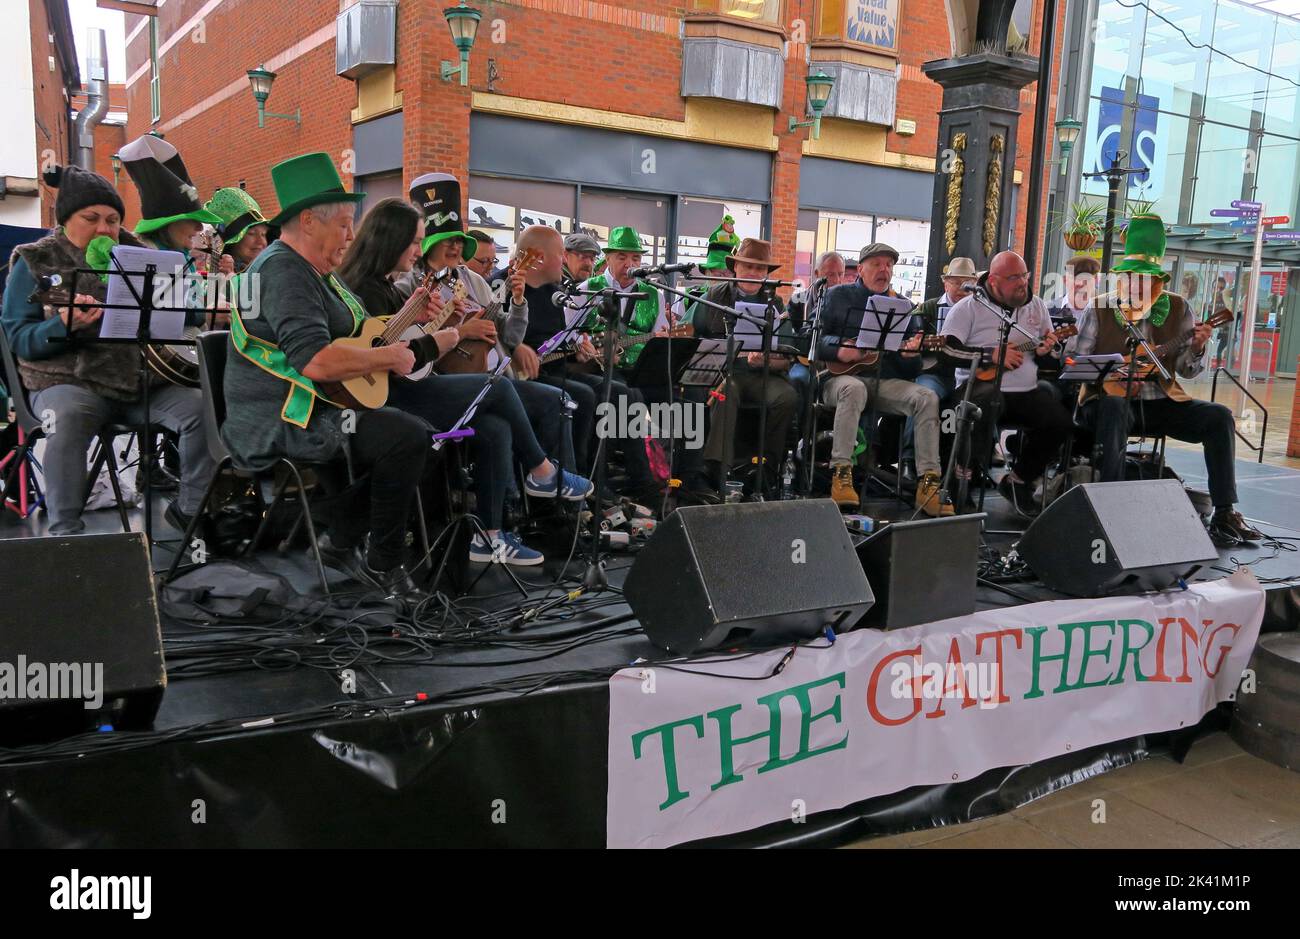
813	323
594	579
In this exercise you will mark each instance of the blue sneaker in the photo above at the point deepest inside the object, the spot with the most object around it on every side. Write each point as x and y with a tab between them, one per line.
572	487
505	548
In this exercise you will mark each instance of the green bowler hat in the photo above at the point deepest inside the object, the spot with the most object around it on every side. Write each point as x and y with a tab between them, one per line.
625	238
717	258
1144	247
305	181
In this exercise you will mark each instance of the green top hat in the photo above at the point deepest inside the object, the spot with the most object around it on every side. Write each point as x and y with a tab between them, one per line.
1144	247
166	193
238	212
437	196
625	238
304	181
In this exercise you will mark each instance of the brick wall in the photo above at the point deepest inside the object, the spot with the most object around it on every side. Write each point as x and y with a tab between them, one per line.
53	137
616	55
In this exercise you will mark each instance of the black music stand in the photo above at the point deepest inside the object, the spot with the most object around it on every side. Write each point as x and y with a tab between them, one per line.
143	339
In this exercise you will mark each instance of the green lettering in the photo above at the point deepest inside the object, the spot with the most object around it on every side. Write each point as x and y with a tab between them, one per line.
669	748
727	743
1090	652
1129	647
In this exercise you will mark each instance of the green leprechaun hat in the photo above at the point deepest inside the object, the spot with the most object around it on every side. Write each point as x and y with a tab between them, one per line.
166	193
304	181
624	238
437	196
238	212
1144	247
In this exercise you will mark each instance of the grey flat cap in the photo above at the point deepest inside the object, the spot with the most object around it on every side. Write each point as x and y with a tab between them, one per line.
581	243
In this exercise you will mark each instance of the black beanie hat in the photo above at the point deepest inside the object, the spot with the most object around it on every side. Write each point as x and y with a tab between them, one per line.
79	188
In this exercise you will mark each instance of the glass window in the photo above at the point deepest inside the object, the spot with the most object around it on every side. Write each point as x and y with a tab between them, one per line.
1219	169
1235	90
1282	110
847	234
1172	69
912	240
1278	178
504	207
155	85
1117	46
756	11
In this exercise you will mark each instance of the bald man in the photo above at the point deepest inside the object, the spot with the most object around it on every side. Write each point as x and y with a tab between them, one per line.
1018	398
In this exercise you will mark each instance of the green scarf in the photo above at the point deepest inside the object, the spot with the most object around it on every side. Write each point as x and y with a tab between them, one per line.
1157	315
644	316
301	399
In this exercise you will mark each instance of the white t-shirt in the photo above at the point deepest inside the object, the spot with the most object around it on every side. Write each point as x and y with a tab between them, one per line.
972	324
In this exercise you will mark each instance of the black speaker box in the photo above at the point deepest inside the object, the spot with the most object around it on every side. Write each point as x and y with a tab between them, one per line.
922	571
763	571
1125	537
81	612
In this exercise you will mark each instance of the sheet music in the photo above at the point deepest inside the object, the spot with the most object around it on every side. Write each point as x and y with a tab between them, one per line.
882	311
707	364
125	323
748	329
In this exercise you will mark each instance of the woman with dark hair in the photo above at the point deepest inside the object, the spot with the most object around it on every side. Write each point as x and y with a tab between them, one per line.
387	246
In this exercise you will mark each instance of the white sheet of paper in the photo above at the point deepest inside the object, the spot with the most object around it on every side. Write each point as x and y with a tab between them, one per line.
749	332
123	323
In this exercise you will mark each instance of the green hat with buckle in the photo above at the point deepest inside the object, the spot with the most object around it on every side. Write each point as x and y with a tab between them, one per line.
238	212
625	238
1144	247
306	181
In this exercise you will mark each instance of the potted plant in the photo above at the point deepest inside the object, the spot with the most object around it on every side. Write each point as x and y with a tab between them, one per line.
1133	209
1082	223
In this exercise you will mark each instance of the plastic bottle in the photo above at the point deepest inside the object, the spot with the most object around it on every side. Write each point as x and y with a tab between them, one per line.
787	476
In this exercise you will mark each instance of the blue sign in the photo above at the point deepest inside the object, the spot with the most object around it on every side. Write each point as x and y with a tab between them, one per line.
1238	204
1144	147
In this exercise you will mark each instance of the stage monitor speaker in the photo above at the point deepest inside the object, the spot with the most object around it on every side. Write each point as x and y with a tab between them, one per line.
81	645
764	571
922	571
1107	538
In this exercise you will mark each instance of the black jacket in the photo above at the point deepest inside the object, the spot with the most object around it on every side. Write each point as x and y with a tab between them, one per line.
842	314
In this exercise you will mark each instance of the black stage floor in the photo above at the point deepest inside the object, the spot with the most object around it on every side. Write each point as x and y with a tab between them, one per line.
533	657
225	684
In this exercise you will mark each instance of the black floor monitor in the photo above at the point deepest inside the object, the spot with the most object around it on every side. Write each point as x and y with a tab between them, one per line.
922	571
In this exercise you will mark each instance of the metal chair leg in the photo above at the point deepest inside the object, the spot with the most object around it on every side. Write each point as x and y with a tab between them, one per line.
305	505
194	522
277	493
111	462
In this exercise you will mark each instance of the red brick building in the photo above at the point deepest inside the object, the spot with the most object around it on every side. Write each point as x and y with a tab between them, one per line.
659	114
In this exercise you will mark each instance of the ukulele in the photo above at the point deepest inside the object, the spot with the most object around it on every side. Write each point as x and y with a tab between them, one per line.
929	343
1117	383
471	355
1055	337
370	391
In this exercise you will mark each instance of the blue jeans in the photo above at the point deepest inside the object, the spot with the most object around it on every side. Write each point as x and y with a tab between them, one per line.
941	385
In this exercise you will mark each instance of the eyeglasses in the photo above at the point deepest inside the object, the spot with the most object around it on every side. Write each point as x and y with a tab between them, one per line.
1016	277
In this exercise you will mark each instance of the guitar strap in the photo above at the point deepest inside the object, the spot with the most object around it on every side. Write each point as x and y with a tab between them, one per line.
302	394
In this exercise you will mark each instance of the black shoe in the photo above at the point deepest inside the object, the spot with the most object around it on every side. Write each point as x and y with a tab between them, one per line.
1229	530
1020	495
178	519
397	582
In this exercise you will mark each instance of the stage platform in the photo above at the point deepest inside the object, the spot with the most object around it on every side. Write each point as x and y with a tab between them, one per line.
367	730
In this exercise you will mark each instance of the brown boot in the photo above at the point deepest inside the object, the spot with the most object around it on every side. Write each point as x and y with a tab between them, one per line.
842	490
928	499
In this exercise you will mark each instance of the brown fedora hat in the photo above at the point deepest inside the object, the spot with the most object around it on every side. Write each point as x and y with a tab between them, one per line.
754	251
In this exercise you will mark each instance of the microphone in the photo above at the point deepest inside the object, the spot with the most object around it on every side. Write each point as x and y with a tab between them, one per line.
662	269
44	283
819	282
561	297
972	287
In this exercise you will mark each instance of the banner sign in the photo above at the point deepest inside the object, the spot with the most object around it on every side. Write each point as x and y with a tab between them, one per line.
723	745
872	22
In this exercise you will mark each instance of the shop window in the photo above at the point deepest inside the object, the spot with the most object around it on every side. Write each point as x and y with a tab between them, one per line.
698	218
871	23
505	207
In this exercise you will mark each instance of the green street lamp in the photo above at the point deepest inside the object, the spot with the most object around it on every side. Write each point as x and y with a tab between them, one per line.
463	23
261	80
819	92
1067	132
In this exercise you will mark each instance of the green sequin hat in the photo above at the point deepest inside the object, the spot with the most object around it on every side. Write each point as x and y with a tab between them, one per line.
1144	247
238	212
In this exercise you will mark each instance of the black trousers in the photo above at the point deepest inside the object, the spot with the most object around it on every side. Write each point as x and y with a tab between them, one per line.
1046	421
1212	425
635	460
389	448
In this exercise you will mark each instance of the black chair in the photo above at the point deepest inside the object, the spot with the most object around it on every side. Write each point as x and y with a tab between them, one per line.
212	348
33	429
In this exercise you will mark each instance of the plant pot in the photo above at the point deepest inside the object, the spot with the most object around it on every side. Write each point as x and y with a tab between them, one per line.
1080	240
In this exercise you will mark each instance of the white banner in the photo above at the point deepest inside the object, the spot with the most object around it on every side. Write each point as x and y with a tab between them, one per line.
694	755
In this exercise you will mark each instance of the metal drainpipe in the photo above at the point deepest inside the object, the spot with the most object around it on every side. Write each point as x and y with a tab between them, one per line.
96	98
